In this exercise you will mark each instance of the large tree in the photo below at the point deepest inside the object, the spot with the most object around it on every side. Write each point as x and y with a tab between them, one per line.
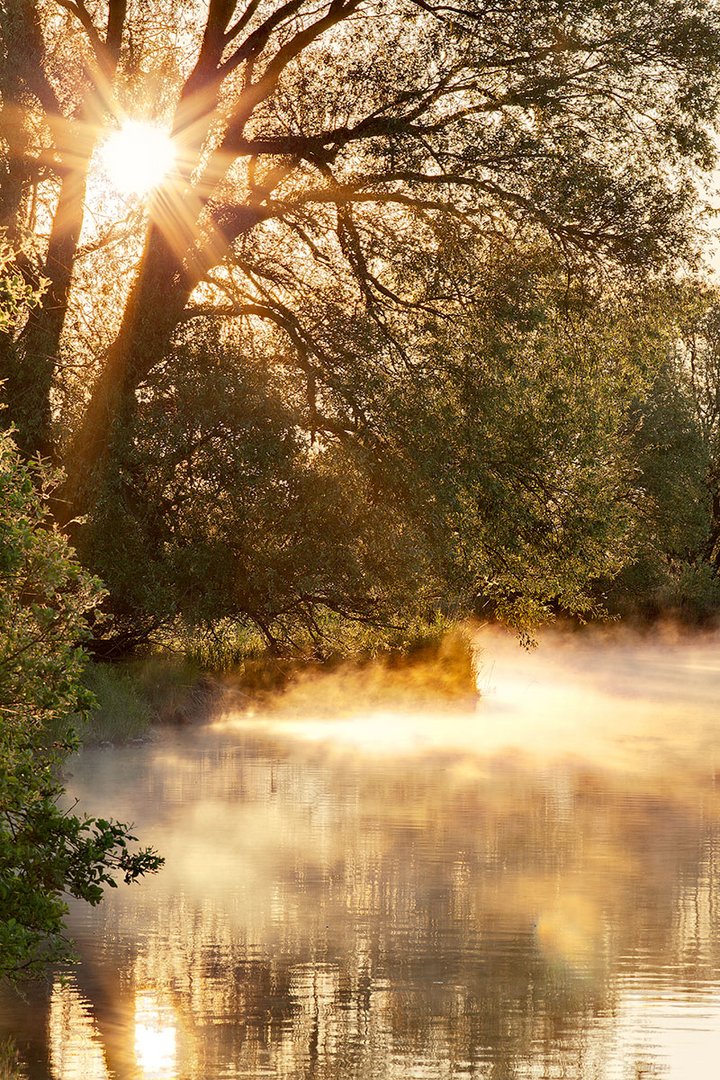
348	173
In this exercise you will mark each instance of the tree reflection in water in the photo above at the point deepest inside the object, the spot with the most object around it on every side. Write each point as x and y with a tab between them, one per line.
451	912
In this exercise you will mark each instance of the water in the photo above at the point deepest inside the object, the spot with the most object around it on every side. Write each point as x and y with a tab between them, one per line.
526	890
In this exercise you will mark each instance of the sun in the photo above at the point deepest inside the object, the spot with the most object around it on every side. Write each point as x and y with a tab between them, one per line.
137	157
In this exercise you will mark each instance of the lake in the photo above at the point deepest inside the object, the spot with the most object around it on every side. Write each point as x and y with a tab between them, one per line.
526	888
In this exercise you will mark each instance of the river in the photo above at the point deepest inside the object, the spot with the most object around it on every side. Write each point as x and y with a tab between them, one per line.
528	889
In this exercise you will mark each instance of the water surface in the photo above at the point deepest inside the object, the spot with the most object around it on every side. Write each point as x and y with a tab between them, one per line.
528	889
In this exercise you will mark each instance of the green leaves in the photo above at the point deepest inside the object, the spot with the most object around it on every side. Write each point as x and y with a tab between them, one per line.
16	294
45	851
46	598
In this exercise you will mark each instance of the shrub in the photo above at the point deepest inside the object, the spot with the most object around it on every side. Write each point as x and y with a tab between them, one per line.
45	600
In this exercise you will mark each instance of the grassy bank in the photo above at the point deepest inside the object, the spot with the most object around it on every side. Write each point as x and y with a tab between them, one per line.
175	689
436	665
133	695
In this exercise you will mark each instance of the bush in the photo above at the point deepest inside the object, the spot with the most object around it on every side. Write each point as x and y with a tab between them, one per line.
45	852
668	589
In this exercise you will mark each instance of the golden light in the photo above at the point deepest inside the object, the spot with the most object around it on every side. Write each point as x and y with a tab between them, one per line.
155	1038
76	1049
137	157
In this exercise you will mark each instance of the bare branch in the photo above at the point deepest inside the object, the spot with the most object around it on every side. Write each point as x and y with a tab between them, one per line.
256	42
262	89
82	14
242	22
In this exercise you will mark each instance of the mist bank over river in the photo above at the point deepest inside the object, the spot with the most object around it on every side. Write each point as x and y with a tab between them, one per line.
608	694
525	887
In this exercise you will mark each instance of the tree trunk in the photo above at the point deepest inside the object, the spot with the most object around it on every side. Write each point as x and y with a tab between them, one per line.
30	365
151	315
30	377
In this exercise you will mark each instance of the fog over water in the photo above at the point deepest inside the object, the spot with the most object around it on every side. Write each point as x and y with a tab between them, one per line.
361	883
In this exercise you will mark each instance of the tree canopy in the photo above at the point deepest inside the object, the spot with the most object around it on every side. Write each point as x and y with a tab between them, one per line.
356	296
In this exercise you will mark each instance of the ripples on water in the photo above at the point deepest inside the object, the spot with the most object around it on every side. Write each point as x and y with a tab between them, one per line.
526	890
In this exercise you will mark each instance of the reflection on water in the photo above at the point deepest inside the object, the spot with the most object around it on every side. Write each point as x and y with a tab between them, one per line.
76	1051
529	890
155	1036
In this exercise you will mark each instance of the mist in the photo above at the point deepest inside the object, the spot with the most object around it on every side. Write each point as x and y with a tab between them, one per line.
361	875
612	696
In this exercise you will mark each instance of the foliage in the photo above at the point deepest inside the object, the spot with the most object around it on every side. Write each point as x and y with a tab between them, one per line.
674	570
233	516
166	680
686	591
45	600
16	294
227	646
45	850
494	469
370	350
518	437
696	371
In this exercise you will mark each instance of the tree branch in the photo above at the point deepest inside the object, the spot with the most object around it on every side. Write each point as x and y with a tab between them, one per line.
256	42
82	14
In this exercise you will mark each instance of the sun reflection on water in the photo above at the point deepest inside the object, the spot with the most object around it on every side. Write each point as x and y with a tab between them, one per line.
155	1038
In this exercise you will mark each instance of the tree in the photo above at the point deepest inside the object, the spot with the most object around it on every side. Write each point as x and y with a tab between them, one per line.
346	175
232	518
677	569
45	599
498	474
696	369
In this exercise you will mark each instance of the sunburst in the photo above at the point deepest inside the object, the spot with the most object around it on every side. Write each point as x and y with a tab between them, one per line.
137	157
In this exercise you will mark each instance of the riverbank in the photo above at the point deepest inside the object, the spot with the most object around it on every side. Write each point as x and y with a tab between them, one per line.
170	690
